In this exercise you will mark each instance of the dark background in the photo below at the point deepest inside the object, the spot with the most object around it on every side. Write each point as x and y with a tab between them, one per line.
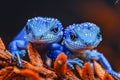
105	13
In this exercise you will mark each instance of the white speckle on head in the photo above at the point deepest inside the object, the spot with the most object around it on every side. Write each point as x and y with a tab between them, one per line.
39	30
78	28
85	24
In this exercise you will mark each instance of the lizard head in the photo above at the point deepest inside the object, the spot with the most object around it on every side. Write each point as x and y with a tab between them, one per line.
43	30
82	36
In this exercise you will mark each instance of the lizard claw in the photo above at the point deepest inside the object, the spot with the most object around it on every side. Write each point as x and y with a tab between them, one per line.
13	55
77	61
18	54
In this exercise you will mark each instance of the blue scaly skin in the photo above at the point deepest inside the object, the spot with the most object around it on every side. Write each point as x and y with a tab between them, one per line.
80	39
41	31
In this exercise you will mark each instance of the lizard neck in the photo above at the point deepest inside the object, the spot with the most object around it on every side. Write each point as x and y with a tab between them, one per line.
42	47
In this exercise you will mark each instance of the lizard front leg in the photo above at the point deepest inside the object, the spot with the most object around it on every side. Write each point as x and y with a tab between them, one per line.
56	49
94	55
17	48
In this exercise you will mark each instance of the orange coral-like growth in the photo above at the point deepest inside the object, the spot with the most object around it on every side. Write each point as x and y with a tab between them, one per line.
107	77
36	69
87	72
100	72
60	66
29	74
34	56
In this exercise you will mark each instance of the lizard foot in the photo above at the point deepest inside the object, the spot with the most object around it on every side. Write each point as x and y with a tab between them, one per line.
77	61
18	54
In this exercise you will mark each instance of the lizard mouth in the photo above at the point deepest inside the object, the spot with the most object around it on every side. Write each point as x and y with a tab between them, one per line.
73	46
45	39
51	38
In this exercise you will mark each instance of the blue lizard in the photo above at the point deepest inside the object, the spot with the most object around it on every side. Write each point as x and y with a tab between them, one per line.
80	39
41	31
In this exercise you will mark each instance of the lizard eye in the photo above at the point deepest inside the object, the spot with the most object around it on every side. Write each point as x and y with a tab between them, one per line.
27	28
72	36
55	29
